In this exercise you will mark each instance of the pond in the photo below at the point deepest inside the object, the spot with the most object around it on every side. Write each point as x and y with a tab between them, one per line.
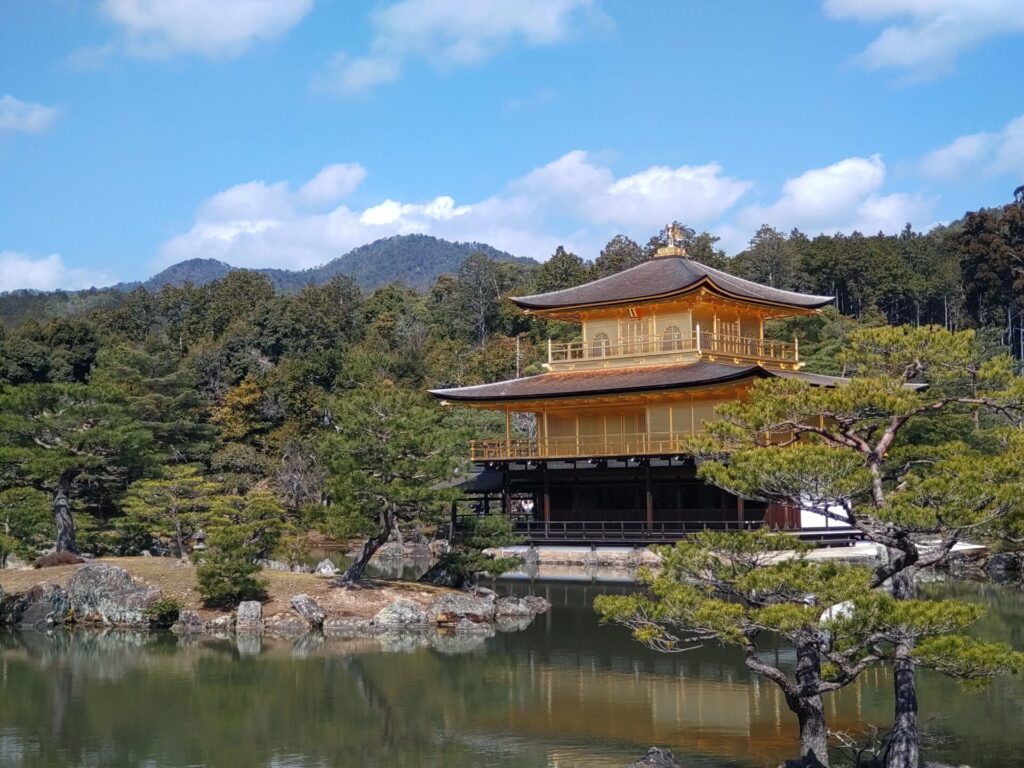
563	692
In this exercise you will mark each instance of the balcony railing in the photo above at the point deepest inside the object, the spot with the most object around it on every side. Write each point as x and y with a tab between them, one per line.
584	446
699	342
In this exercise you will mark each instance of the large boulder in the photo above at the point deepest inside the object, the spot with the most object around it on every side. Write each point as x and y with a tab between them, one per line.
249	616
656	757
390	551
101	593
401	614
455	609
285	625
326	567
43	606
189	623
309	609
347	626
1004	566
505	607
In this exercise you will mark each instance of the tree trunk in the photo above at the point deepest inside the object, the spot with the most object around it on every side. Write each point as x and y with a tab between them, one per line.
813	734
180	538
355	571
904	747
66	538
810	710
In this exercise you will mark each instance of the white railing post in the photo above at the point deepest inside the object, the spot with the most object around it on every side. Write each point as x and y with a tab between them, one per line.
796	349
549	351
698	338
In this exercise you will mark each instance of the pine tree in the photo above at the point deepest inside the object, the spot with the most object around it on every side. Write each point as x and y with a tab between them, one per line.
876	453
740	588
70	441
391	450
173	506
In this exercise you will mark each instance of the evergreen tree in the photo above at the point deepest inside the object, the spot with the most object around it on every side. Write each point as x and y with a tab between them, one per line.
70	441
172	506
742	588
563	270
619	254
847	454
390	452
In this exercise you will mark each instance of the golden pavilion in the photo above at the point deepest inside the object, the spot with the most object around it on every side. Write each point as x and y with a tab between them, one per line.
661	345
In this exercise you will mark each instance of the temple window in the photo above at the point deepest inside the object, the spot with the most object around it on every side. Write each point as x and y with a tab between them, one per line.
671	339
601	345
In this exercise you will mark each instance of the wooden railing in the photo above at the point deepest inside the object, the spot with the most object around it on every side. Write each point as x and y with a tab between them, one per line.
627	530
701	342
615	531
643	443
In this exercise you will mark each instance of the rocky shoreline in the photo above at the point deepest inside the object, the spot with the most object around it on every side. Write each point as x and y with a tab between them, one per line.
106	595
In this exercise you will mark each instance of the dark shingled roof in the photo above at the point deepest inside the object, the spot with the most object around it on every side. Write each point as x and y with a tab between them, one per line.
616	380
665	276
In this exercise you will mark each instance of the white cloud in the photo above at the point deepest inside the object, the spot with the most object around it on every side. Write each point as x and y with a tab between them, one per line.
927	36
454	33
333	182
841	197
46	273
573	200
24	116
984	153
650	198
218	28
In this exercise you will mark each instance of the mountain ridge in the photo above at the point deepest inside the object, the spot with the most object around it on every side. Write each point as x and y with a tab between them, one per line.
413	260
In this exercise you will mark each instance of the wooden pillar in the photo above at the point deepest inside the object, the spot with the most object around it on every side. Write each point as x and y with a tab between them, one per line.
649	496
739	511
508	433
547	494
506	492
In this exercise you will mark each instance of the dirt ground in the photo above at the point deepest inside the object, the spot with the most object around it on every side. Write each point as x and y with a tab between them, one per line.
179	582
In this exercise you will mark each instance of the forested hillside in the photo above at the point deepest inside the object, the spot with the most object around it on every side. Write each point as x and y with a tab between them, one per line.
242	382
415	261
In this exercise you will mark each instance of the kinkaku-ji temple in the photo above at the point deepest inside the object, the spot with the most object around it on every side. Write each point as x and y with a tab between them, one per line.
661	345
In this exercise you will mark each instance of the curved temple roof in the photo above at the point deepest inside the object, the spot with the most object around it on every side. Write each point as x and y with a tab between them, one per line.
619	380
665	276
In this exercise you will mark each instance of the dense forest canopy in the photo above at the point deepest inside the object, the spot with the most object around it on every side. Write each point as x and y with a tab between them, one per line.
242	377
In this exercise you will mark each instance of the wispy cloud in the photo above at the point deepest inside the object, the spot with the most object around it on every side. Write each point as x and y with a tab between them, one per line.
450	34
18	116
926	37
219	28
44	273
845	196
979	154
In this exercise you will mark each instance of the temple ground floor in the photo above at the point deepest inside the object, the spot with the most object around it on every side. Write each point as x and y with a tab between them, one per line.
617	501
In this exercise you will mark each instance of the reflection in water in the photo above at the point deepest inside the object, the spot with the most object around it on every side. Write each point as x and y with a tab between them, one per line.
561	692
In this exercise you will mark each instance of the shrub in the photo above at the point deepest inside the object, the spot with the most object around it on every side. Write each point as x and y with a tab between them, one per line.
227	574
54	559
164	612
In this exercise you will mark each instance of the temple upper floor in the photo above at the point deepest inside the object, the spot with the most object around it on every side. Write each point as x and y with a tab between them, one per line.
670	310
699	328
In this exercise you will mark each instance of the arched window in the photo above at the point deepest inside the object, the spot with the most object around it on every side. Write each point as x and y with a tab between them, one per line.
600	345
671	339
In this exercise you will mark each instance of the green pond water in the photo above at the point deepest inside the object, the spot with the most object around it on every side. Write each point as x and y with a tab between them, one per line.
563	692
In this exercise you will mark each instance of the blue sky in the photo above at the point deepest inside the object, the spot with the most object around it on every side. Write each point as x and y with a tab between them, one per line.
137	133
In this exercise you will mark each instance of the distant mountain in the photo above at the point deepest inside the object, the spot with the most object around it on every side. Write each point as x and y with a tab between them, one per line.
195	271
413	260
